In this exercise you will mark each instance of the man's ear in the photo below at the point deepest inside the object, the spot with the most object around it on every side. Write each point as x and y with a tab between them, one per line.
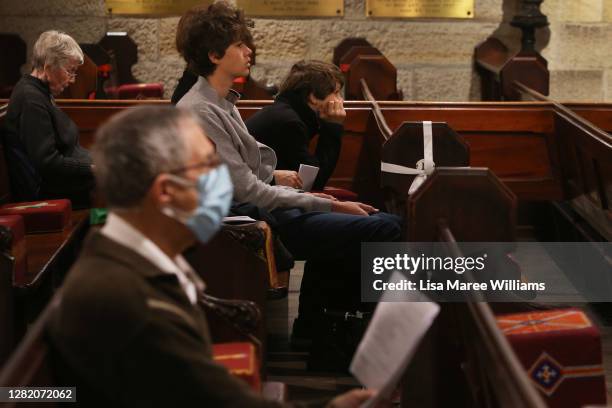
313	102
46	70
160	191
214	57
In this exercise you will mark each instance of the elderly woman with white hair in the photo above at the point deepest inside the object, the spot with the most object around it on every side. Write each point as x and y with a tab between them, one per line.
44	157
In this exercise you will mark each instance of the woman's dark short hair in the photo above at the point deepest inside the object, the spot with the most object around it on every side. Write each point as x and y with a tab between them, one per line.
316	77
212	29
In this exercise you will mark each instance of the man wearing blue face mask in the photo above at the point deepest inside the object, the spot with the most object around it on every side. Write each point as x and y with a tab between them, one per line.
128	331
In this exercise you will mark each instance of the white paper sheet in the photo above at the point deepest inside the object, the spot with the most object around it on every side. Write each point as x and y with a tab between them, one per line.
237	219
308	174
388	345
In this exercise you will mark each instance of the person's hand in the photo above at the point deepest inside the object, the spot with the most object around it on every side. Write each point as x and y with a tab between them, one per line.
287	178
354	399
332	109
323	195
350	207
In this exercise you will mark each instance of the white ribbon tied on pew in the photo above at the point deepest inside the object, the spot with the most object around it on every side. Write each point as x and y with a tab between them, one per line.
424	167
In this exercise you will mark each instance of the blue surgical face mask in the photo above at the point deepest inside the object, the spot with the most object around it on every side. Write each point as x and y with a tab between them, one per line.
215	191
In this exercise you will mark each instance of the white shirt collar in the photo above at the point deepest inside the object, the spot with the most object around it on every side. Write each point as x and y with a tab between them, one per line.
125	234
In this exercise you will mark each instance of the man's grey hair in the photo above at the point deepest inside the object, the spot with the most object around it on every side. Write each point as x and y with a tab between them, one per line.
55	48
134	147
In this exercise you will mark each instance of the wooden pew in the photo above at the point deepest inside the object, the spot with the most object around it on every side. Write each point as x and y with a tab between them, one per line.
345	45
499	69
353	52
585	150
516	140
465	360
510	129
358	60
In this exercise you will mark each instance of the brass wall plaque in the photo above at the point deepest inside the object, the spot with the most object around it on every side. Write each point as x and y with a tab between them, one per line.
152	7
292	8
420	8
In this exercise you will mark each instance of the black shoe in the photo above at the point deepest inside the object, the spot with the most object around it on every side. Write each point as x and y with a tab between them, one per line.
301	335
336	339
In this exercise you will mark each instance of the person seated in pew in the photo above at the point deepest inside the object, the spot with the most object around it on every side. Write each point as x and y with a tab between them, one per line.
309	104
314	227
128	330
43	154
189	77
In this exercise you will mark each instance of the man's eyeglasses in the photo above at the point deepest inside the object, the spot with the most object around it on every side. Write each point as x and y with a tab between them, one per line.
212	162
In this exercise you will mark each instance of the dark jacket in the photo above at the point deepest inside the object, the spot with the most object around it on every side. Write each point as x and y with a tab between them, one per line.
287	126
185	83
43	154
126	335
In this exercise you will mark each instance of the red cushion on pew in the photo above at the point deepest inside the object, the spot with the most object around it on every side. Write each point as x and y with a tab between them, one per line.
340	193
561	351
41	216
140	91
241	361
18	246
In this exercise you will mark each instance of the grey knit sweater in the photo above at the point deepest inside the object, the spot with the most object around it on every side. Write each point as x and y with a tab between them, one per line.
251	163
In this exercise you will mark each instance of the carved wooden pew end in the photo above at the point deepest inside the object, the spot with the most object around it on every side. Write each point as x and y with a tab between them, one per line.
476	205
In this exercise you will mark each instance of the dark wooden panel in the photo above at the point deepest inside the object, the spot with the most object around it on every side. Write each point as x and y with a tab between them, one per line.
347	44
514	140
475	204
586	154
45	251
510	154
600	114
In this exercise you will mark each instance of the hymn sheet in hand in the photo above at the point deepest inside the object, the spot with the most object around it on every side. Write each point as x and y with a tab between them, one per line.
308	174
390	341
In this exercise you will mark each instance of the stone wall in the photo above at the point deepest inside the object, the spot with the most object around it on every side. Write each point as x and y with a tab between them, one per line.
433	57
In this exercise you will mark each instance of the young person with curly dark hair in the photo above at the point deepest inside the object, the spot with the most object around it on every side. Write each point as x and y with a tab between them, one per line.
309	104
326	233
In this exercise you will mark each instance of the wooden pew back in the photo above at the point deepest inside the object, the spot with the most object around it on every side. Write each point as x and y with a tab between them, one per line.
346	59
585	151
5	187
124	53
515	140
345	45
7	306
465	360
473	203
30	365
377	67
499	68
405	148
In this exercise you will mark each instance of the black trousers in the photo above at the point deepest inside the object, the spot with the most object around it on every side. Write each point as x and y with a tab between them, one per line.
331	245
